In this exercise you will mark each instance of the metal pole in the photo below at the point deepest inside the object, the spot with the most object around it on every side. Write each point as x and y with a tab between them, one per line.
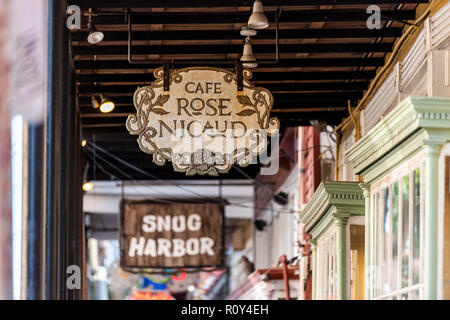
53	195
64	221
283	260
74	166
35	262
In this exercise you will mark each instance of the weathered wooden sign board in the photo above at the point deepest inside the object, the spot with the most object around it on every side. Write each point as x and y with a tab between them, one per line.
203	124
179	234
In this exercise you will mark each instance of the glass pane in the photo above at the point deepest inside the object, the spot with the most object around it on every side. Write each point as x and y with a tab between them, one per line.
416	228
394	239
330	270
378	244
405	231
404	296
374	244
386	230
333	239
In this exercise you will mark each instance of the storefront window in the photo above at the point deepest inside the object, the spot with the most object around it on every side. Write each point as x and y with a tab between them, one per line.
395	234
405	230
394	243
416	228
385	241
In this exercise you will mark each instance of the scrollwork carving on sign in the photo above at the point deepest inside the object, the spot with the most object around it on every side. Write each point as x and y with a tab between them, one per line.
203	125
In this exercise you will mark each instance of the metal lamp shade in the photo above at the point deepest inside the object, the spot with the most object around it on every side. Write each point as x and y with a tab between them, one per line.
106	105
94	36
258	19
248	59
95	103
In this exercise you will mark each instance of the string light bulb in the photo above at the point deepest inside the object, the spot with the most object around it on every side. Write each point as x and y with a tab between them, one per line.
88	186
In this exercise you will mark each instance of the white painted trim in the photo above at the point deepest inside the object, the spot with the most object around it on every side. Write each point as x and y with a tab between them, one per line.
441	197
434	36
440	28
403	290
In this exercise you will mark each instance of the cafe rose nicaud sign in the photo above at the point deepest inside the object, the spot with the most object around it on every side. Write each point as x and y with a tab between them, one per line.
203	124
176	234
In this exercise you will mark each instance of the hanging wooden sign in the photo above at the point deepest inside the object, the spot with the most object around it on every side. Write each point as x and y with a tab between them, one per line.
203	124
179	234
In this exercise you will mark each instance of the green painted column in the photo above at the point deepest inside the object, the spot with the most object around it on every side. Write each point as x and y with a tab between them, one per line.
366	192
341	256
432	151
314	269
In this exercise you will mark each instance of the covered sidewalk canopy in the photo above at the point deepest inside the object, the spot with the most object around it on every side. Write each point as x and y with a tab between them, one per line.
327	57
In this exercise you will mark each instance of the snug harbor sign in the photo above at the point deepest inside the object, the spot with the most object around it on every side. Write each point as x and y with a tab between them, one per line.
202	124
157	234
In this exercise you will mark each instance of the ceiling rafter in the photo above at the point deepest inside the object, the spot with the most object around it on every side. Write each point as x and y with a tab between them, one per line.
328	57
149	35
86	4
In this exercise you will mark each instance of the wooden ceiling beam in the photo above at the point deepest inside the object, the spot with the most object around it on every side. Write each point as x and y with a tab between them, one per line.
257	76
108	4
273	76
234	34
232	48
290	87
230	16
284	63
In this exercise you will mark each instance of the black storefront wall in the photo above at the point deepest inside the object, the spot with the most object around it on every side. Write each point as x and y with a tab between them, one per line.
35	208
55	221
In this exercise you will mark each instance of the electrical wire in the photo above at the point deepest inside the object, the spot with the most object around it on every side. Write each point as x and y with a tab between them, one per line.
166	181
130	178
191	191
102	169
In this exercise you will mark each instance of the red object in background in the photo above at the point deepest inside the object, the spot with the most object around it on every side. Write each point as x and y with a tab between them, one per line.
310	177
283	260
5	162
148	295
271	274
181	277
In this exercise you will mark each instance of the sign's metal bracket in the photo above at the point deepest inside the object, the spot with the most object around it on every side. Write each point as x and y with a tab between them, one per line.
166	73
239	76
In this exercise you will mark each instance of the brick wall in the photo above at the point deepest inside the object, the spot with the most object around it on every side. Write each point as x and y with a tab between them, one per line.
310	151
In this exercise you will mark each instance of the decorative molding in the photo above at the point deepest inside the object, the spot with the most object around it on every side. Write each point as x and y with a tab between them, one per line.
412	69
418	119
440	28
383	99
332	200
208	150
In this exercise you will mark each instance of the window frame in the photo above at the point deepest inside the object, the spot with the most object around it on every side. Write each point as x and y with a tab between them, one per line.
327	273
377	247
